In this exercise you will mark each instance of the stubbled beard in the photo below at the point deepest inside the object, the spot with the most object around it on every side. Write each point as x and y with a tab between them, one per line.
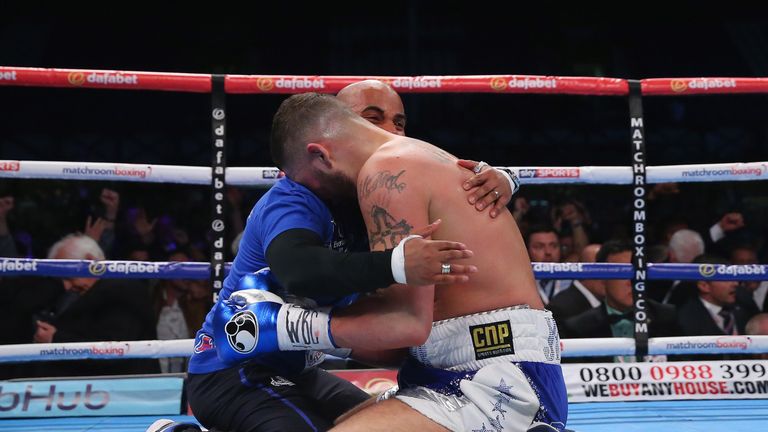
338	189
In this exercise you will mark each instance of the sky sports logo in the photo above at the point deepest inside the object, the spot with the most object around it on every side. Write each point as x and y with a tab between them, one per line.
550	173
271	173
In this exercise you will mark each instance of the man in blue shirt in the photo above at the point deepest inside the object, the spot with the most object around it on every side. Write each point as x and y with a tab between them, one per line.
308	245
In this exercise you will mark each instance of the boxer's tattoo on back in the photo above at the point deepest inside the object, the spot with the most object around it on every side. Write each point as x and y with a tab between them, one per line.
385	180
386	229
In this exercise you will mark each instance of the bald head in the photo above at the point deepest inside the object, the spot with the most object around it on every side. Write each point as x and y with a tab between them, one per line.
376	102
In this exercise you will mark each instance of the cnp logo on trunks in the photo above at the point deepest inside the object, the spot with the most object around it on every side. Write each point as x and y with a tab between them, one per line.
492	339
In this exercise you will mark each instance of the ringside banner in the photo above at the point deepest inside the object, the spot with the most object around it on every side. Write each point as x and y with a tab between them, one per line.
91	397
611	382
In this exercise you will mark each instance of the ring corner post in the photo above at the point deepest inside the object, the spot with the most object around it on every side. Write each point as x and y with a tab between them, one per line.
218	181
639	209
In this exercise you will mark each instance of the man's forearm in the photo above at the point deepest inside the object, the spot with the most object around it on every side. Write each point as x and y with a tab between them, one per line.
580	237
304	267
399	317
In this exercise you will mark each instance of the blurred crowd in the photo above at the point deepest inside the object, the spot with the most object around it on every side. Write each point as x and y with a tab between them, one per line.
69	220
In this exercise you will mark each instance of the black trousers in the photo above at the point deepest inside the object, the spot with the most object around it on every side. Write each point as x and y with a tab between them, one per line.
243	399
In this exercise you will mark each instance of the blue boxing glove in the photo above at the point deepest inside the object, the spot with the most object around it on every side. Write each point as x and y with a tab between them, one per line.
255	321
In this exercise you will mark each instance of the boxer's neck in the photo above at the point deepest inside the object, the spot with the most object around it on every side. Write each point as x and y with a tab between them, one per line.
359	140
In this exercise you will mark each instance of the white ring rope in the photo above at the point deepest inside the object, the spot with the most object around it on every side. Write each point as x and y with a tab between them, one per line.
266	176
570	348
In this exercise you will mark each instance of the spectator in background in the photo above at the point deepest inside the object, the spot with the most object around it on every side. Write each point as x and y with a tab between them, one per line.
179	311
728	224
148	234
758	326
137	251
519	208
750	294
571	220
615	316
90	309
544	246
582	295
100	225
713	311
26	300
669	227
7	243
666	203
236	218
684	246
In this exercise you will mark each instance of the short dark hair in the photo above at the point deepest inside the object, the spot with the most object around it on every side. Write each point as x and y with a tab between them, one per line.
300	119
539	228
612	247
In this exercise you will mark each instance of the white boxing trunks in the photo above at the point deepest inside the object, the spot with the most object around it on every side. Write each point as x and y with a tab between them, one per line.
492	371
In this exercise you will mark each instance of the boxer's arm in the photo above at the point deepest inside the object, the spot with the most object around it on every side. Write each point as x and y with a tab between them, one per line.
306	268
401	315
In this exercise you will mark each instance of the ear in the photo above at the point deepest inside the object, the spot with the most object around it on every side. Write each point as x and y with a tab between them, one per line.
703	287
319	155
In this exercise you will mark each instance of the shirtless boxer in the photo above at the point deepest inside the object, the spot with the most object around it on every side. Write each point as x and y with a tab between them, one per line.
486	354
314	249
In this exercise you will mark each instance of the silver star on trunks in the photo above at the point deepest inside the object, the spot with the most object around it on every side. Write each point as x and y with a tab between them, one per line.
496	424
503	387
502	398
497	407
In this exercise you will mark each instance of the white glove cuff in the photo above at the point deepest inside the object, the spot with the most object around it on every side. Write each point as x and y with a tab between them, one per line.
300	328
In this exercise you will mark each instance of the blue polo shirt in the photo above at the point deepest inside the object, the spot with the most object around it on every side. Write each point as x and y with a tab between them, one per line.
287	205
